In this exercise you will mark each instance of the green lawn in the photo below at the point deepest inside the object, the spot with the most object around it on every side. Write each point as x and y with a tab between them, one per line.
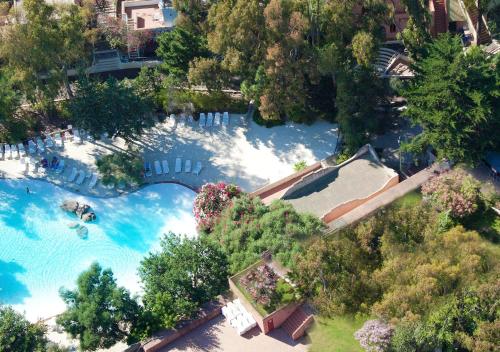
410	199
335	334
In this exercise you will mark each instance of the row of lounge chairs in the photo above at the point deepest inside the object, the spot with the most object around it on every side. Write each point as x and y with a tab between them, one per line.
238	317
214	120
79	176
163	168
17	151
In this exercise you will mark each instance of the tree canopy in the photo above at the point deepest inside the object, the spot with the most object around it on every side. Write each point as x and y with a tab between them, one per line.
18	334
99	312
182	276
111	106
455	97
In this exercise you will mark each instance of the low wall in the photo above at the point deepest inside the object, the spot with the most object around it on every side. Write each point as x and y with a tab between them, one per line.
344	208
279	316
165	337
284	183
301	330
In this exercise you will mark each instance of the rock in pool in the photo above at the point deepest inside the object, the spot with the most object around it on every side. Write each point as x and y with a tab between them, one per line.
80	209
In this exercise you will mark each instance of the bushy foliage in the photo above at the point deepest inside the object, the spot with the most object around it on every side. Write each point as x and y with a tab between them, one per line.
299	166
453	192
111	106
182	276
375	336
248	227
18	334
99	312
120	168
210	201
453	97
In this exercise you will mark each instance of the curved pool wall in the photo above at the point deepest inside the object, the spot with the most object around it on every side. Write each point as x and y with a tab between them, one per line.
39	253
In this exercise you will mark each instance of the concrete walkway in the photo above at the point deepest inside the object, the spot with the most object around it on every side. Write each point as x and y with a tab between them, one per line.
384	199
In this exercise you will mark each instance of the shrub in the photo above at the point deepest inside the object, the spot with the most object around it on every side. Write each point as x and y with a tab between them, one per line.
211	201
120	168
374	336
453	191
299	166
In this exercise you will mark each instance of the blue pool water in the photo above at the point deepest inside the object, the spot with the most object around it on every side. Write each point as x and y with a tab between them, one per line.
39	253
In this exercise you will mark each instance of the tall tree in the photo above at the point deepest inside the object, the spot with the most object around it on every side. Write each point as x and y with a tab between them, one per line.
177	48
99	312
19	335
111	106
9	103
183	275
55	42
455	98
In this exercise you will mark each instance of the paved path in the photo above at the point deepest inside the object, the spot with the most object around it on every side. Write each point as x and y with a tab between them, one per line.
218	336
384	199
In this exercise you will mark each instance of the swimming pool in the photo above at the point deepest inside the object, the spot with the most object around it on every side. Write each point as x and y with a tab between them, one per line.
39	253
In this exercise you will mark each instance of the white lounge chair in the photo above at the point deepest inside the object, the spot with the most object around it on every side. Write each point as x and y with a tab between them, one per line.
68	136
191	119
225	119
2	153
76	136
197	168
14	151
60	167
93	181
32	164
164	165
178	165
147	169
58	140
22	151
203	120
40	145
72	176
49	142
8	152
187	166
210	119
81	177
217	119
157	167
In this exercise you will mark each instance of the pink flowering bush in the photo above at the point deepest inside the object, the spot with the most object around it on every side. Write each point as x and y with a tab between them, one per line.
261	284
375	336
211	201
454	192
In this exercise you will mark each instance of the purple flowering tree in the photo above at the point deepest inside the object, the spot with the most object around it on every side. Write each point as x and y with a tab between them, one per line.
375	336
212	199
453	191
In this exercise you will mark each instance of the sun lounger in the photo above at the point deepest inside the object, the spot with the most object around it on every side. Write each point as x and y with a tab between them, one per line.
187	166
14	151
68	136
72	176
60	167
8	152
178	165
40	145
164	165
203	120
2	153
22	151
191	119
93	181
31	147
147	169
81	177
49	142
210	119
225	119
58	140
157	167
76	136
197	168
217	119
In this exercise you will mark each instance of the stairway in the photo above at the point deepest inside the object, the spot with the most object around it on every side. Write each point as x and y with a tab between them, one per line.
297	323
484	36
440	17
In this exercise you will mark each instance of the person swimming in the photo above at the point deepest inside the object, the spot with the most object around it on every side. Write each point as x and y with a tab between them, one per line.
27	190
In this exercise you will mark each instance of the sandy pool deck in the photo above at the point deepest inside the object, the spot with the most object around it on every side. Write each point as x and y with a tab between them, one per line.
243	153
